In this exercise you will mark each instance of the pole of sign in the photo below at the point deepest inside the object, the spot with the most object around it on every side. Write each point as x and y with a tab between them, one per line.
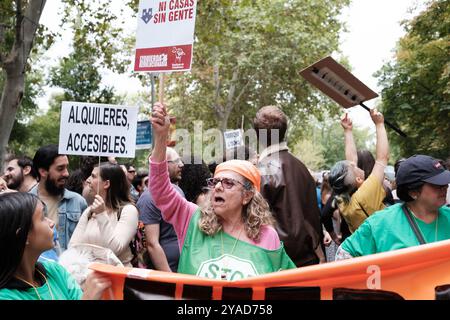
98	184
400	132
161	87
153	76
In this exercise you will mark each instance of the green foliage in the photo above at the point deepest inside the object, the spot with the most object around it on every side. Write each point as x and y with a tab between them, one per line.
42	130
80	79
77	74
310	154
247	54
417	85
97	32
324	145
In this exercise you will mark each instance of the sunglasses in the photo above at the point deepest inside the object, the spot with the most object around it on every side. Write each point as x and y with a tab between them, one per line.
227	183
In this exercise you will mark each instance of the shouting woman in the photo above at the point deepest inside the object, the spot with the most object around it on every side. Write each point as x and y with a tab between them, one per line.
233	237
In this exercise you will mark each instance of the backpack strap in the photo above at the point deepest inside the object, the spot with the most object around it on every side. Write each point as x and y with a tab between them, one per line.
413	224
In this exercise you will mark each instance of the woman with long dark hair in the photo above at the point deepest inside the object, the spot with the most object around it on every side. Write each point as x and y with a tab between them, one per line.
111	221
25	233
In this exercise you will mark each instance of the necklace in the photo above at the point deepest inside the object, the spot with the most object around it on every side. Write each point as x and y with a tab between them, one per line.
435	228
225	261
34	287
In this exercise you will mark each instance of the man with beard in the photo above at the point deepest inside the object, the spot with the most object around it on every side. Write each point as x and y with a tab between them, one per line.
64	207
19	174
162	241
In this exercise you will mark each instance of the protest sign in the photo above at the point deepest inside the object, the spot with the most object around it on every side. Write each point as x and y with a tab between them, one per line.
92	129
233	138
144	135
340	85
337	83
165	35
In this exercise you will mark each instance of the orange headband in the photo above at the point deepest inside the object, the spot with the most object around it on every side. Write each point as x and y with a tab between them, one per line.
244	168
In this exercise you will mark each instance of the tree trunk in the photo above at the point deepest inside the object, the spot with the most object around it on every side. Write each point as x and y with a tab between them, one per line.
14	65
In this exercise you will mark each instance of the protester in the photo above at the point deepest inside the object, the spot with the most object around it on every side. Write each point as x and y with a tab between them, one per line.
330	218
25	234
112	220
75	182
358	197
140	182
289	189
64	207
394	184
130	172
233	237
19	174
163	252
422	184
87	164
193	181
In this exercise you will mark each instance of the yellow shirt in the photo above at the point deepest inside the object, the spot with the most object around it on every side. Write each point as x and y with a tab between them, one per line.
365	201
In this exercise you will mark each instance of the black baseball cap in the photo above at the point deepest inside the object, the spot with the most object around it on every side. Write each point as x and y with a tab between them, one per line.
421	168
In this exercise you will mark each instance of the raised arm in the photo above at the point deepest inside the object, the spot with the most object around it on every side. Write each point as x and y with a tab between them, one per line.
160	129
382	153
174	208
350	146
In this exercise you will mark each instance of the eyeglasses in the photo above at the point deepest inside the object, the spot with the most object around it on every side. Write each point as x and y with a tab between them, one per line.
227	183
131	171
176	161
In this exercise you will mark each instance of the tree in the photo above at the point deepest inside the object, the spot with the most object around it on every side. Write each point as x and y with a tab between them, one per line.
247	54
417	84
15	47
97	41
324	145
310	153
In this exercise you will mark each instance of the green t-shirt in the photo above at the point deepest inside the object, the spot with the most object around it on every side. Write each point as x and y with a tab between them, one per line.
60	286
205	256
389	229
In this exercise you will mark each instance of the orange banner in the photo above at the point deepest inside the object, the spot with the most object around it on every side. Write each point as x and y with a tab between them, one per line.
412	273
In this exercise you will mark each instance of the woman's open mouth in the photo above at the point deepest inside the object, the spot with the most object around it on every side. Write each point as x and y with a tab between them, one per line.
218	200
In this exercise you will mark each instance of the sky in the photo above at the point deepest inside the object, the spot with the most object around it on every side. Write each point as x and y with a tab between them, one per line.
373	29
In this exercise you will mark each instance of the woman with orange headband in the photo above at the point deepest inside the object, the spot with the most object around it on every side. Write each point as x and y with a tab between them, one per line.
233	236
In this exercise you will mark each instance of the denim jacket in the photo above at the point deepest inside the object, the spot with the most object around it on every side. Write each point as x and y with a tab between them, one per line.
70	209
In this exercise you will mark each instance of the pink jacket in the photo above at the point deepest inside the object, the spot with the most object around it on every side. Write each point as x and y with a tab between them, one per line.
178	211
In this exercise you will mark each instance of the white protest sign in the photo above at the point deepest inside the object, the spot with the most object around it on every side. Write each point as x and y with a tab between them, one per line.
233	138
165	35
92	129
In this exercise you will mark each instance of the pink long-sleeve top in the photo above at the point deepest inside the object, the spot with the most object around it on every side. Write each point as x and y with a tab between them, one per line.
177	211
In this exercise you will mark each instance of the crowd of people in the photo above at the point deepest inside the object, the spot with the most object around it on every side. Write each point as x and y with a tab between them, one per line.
246	216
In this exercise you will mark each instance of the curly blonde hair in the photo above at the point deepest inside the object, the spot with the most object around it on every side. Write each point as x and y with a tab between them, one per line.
255	214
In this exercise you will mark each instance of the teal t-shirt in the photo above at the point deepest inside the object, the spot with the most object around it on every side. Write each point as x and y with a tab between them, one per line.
389	229
60	286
